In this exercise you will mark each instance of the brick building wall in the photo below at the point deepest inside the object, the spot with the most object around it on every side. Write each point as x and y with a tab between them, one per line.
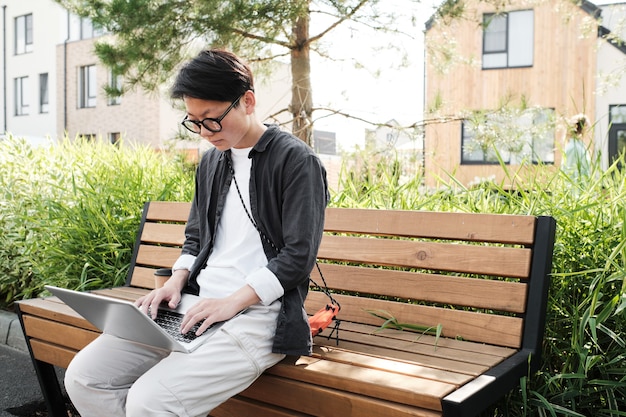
137	118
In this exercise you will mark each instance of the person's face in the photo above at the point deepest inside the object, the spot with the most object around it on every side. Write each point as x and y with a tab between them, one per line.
233	119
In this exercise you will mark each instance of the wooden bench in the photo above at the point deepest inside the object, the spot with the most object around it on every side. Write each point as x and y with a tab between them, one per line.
481	278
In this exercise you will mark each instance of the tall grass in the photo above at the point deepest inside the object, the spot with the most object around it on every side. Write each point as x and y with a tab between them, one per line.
70	212
583	369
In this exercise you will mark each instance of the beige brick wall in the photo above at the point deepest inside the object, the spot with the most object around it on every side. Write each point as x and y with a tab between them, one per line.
137	118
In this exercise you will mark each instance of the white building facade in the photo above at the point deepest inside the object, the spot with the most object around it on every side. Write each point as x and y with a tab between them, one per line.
610	100
29	67
53	85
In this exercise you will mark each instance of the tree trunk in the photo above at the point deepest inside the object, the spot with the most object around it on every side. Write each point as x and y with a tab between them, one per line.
301	92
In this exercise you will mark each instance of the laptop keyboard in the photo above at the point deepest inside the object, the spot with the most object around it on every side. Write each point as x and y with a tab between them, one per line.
170	321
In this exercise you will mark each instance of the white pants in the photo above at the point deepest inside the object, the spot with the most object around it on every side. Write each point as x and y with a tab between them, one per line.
115	377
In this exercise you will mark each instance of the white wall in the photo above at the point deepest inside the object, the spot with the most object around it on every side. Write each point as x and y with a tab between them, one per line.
35	126
610	78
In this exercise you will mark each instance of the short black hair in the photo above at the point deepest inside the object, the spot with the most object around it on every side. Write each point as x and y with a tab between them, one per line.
214	74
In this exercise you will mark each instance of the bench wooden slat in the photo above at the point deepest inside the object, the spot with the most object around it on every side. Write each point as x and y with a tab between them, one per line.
124	293
420	350
142	277
238	407
425	393
58	333
321	401
51	353
428	340
167	211
496	295
157	256
410	351
477	327
53	309
366	360
444	364
511	229
164	233
471	259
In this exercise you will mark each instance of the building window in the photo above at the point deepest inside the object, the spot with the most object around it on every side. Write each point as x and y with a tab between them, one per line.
508	39
617	114
325	142
474	151
23	34
87	86
115	89
617	132
511	136
115	138
87	137
44	100
88	29
21	96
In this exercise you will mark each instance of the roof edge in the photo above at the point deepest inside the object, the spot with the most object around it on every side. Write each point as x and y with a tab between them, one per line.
604	33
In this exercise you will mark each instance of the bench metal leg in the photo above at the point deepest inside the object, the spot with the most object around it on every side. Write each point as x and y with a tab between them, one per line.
48	381
50	388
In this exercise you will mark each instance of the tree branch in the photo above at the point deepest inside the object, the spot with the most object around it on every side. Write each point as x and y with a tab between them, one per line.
265	39
436	120
338	22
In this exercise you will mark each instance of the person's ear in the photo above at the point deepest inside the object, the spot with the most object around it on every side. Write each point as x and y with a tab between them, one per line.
249	101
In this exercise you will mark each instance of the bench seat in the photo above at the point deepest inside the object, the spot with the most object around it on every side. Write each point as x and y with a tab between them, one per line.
481	278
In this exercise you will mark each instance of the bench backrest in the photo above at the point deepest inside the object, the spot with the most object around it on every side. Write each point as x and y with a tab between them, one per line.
160	238
475	275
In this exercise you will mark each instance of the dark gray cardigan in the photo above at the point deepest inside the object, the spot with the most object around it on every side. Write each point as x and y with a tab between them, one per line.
288	198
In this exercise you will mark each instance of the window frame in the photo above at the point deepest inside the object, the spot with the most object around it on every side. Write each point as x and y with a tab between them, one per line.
485	31
325	142
115	138
87	137
115	83
531	143
23	34
618	107
44	93
87	86
484	160
617	126
20	95
508	51
88	29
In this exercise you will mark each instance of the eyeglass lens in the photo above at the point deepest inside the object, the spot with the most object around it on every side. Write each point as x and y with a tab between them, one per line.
213	125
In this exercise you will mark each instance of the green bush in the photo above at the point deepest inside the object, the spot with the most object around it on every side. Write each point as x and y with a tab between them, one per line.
70	211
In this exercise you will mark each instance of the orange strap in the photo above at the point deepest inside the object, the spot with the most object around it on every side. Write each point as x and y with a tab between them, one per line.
322	319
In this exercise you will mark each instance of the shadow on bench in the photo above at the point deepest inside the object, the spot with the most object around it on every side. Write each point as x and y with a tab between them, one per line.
482	279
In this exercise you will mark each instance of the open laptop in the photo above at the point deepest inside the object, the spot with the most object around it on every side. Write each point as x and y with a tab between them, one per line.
125	320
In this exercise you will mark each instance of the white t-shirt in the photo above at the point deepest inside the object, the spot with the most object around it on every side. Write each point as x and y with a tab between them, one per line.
238	257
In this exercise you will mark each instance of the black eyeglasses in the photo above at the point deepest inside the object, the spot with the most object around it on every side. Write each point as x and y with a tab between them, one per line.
210	124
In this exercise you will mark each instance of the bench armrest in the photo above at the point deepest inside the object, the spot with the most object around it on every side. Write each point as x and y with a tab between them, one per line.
475	396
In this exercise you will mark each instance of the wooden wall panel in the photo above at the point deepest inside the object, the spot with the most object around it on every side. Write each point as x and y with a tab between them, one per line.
562	77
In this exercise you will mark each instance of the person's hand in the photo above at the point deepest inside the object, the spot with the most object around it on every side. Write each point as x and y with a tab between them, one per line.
151	301
211	310
170	292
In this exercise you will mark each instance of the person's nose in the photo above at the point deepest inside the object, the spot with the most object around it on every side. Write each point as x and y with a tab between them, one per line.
205	133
